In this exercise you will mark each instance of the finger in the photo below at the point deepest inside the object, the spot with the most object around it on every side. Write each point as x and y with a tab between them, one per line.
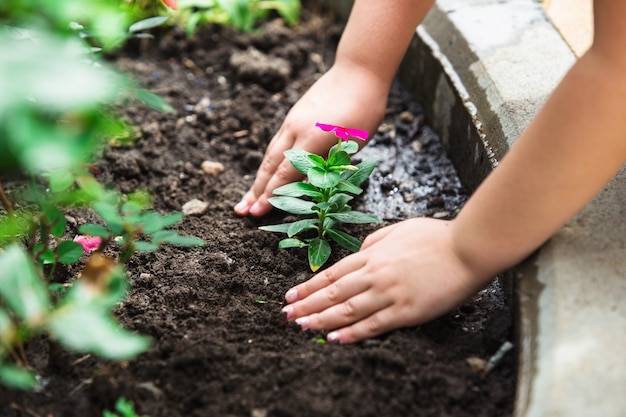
336	298
284	174
325	278
378	235
359	307
382	321
271	159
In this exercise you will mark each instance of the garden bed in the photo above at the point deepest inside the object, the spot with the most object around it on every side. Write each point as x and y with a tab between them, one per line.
221	345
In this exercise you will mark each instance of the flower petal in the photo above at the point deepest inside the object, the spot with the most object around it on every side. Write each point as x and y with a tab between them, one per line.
343	132
325	127
172	4
88	243
357	133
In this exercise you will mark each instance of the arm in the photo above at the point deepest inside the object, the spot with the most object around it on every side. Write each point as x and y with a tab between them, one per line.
415	270
569	152
353	93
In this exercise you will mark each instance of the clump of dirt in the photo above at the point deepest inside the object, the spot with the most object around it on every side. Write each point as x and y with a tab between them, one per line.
221	345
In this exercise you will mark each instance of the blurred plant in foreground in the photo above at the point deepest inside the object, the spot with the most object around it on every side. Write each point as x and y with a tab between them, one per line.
56	115
241	14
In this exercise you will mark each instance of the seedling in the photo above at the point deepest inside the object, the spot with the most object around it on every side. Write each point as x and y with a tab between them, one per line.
331	184
123	408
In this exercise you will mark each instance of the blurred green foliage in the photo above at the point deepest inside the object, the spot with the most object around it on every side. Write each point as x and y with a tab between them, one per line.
56	115
241	14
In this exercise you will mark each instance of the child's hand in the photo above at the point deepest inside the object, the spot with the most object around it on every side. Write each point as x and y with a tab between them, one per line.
404	275
342	96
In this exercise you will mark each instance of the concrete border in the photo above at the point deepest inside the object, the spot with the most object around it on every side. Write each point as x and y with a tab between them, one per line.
482	69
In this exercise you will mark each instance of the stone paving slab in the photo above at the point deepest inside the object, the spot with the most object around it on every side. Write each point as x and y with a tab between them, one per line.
574	20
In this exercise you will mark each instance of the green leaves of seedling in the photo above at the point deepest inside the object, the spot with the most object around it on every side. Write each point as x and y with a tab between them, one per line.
330	186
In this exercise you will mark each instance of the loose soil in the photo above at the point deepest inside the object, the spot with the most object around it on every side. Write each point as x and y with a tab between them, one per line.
221	345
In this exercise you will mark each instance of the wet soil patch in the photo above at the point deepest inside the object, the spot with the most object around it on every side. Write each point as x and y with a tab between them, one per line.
221	345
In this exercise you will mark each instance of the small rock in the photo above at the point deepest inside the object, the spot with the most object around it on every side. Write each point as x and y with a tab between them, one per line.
258	412
203	106
212	168
407	117
417	146
409	197
195	206
477	364
441	215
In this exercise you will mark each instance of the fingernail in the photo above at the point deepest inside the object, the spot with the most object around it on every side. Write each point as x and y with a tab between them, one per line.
242	205
288	310
332	337
303	322
291	296
255	208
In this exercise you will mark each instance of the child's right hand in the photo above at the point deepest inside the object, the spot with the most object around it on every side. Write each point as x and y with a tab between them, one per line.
347	95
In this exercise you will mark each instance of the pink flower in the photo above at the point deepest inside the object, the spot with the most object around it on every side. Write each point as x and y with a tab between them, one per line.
88	243
172	4
343	132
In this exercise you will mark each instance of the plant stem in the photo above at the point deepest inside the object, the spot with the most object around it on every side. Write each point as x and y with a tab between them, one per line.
6	203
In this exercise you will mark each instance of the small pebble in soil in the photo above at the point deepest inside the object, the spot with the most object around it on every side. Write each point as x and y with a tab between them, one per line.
195	207
212	168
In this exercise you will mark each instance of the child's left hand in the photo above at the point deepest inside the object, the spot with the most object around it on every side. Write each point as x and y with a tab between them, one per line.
404	275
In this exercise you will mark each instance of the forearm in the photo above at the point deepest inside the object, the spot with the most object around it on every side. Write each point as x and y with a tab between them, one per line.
378	33
570	151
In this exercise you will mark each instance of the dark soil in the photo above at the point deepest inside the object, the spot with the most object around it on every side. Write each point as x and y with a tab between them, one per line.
221	345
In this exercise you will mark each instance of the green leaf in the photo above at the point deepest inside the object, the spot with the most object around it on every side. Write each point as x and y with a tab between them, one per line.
299	159
21	287
365	170
300	225
69	252
278	228
354	217
322	178
110	215
131	208
298	189
152	221
60	180
91	187
173	238
143	246
317	160
47	256
291	243
6	328
292	205
94	230
349	242
17	378
154	101
148	23
319	252
289	10
349	147
339	200
55	219
88	328
349	188
338	158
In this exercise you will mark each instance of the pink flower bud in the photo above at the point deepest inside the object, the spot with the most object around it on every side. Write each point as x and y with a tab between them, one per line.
172	4
88	243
